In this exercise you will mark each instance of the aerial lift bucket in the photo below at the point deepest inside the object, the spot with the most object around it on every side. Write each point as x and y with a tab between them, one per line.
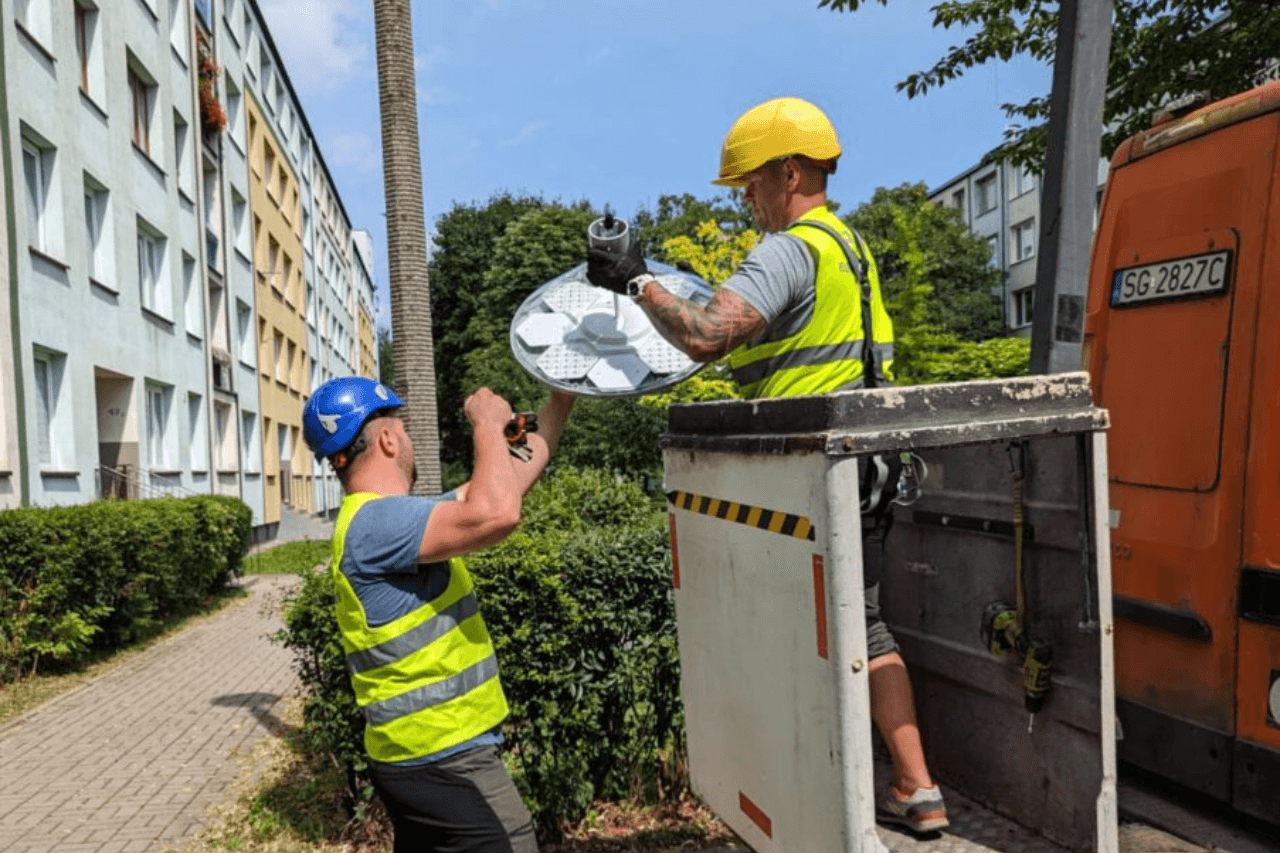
768	566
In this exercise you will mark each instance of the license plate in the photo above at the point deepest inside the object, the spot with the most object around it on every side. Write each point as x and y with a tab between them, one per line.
1198	275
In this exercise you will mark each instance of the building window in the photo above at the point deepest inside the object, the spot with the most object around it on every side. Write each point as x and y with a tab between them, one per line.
33	16
278	357
1023	181
290	367
151	246
178	28
183	156
37	173
158	397
142	100
240	224
985	191
197	433
192	305
244	328
225	441
233	109
53	424
273	263
1023	302
252	461
86	48
1024	240
269	168
957	201
993	246
98	242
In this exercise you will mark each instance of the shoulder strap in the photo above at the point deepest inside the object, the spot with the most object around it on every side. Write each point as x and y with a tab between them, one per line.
870	375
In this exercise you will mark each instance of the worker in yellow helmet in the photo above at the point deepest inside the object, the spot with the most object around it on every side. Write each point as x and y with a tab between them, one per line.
803	314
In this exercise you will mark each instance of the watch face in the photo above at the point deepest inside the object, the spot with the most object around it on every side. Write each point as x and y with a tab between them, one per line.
575	337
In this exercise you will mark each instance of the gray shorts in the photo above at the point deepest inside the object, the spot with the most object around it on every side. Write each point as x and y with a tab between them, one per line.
879	641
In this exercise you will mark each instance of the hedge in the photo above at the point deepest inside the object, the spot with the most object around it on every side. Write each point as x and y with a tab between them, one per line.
80	578
579	604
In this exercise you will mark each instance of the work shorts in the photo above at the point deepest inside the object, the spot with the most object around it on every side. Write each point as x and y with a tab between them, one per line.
465	803
879	641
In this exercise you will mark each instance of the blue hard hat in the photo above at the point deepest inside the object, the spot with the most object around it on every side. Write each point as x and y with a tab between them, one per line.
337	410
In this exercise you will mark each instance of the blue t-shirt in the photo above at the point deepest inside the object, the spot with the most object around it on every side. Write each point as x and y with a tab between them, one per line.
380	560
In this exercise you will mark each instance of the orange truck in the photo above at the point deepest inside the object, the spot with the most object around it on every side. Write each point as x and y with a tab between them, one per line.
1182	343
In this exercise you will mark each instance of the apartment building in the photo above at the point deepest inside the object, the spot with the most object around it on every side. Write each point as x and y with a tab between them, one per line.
366	299
169	323
110	360
10	459
1000	202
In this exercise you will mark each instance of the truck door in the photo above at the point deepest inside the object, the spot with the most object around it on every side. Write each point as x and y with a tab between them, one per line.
1172	325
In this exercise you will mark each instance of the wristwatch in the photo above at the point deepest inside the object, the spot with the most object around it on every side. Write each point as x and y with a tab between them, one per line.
635	287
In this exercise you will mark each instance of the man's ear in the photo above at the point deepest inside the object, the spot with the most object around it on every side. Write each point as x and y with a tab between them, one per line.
386	441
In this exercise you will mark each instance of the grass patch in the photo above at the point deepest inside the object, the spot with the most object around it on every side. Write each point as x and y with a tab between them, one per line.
286	802
25	694
291	558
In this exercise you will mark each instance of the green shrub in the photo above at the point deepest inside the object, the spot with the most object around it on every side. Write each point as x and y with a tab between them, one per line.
580	607
103	574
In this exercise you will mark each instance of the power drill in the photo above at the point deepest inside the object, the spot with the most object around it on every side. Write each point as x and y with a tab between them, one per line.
1002	633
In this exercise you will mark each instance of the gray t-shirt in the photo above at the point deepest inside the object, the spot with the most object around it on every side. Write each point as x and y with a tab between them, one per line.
777	279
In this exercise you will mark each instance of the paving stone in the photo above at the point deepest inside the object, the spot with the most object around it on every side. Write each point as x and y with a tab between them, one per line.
144	750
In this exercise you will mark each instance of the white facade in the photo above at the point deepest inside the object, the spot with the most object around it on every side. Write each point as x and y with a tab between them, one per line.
133	368
113	341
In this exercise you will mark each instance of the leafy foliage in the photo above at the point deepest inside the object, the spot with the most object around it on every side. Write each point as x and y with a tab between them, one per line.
916	242
579	604
1161	50
102	575
682	215
462	251
711	252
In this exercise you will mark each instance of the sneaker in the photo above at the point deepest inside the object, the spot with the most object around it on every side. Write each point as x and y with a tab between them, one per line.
921	812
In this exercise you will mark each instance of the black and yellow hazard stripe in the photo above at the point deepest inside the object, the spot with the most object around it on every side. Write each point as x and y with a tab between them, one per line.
785	523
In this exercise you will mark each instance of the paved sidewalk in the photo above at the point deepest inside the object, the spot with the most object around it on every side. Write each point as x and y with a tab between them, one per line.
131	760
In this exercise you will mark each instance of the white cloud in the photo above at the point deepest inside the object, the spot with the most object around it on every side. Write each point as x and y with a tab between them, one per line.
359	152
425	63
324	42
524	134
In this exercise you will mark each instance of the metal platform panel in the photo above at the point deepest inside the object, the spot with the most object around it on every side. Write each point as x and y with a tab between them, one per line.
768	582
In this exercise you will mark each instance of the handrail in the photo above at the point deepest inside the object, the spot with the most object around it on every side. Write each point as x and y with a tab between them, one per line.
125	483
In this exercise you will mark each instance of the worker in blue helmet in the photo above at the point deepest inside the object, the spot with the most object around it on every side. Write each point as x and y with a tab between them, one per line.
421	661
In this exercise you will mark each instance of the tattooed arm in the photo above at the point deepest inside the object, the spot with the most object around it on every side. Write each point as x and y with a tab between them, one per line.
703	332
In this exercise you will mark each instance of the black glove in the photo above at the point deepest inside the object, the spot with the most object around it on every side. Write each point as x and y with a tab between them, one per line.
612	270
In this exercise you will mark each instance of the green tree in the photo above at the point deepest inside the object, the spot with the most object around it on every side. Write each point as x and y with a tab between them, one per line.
613	434
462	253
1161	50
386	358
936	280
953	265
681	215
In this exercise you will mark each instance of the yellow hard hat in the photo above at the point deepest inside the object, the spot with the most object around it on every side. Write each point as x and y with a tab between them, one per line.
771	130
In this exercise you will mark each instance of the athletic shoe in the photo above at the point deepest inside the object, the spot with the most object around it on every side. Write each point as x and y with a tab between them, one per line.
921	812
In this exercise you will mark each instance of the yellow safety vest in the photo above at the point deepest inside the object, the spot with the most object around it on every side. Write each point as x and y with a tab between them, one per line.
827	354
427	680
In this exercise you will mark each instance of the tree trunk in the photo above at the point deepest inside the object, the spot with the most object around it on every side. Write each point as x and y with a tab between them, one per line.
407	238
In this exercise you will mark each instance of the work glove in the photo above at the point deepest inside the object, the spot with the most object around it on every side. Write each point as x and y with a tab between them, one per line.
612	270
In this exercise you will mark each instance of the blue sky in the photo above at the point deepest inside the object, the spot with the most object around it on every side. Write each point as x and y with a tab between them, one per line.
622	101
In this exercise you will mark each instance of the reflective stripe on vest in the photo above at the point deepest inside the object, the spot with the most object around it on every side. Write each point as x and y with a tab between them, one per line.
427	680
827	354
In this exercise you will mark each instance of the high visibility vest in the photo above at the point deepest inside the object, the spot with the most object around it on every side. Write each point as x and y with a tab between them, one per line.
827	354
427	680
